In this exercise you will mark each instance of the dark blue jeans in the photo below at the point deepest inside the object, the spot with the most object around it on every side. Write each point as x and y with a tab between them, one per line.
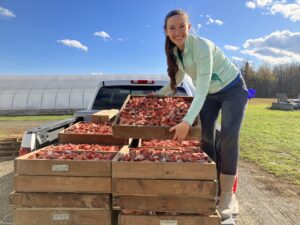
232	104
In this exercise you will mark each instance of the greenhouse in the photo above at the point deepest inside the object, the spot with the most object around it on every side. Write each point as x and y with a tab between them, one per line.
46	94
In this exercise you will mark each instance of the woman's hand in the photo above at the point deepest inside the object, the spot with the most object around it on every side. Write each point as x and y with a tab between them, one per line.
181	131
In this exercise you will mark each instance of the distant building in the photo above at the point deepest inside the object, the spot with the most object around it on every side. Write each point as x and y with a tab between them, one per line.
46	94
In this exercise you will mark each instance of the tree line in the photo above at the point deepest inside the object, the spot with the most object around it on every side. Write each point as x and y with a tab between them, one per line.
267	80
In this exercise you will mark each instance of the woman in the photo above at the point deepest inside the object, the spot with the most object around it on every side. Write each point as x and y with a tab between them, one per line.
219	87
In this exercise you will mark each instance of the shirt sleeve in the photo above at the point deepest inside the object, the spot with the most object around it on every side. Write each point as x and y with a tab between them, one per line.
167	88
204	61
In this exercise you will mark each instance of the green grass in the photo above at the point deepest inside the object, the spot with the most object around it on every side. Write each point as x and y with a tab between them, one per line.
271	139
34	118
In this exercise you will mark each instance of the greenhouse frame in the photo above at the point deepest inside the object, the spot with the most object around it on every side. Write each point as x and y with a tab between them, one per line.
46	94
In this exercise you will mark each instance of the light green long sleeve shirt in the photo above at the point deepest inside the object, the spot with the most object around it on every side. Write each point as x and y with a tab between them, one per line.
209	69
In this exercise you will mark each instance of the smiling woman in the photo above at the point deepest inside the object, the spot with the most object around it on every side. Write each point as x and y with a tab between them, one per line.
219	87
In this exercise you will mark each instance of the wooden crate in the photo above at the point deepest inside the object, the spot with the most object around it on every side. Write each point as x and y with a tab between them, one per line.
169	220
104	139
158	187
164	186
24	165
60	200
162	170
9	147
104	116
44	216
166	203
151	132
78	184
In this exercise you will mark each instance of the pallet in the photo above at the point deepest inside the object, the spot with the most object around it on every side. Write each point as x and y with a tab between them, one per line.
103	139
169	220
24	165
104	116
9	147
151	132
64	216
29	183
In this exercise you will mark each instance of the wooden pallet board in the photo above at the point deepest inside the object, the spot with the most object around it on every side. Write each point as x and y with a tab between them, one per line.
151	132
28	183
103	139
169	220
187	188
60	200
104	116
162	170
41	216
165	204
26	166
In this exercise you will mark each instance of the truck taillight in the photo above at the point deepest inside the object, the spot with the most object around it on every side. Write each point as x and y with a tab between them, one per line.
24	151
142	81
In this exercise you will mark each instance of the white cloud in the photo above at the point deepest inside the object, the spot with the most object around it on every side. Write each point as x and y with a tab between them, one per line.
102	34
238	59
219	22
291	11
6	13
277	47
287	10
231	47
263	3
73	44
199	25
251	5
214	21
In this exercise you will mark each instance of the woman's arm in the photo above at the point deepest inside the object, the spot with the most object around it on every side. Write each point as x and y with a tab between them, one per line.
204	61
167	88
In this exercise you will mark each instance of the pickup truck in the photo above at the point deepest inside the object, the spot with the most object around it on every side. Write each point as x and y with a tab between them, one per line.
112	92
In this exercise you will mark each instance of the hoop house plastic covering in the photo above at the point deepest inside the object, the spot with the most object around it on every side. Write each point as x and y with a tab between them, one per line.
47	92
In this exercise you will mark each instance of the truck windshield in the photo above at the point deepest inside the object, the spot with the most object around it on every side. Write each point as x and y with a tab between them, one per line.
113	97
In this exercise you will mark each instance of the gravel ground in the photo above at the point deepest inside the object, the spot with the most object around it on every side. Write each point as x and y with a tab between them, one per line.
6	181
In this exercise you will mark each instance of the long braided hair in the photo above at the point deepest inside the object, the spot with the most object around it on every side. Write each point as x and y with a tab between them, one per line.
169	46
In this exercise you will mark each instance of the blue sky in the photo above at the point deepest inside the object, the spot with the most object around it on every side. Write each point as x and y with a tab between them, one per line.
126	36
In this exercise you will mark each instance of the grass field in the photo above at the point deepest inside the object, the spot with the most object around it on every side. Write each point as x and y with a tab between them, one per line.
271	139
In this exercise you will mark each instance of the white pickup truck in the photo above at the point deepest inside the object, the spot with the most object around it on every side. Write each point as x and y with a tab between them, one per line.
111	94
112	91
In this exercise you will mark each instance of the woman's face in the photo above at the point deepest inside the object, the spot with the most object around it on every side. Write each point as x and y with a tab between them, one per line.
177	29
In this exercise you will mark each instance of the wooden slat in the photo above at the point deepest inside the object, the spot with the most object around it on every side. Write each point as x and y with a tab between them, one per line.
27	166
25	183
203	189
65	138
104	116
169	220
165	204
151	132
28	216
168	170
60	200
